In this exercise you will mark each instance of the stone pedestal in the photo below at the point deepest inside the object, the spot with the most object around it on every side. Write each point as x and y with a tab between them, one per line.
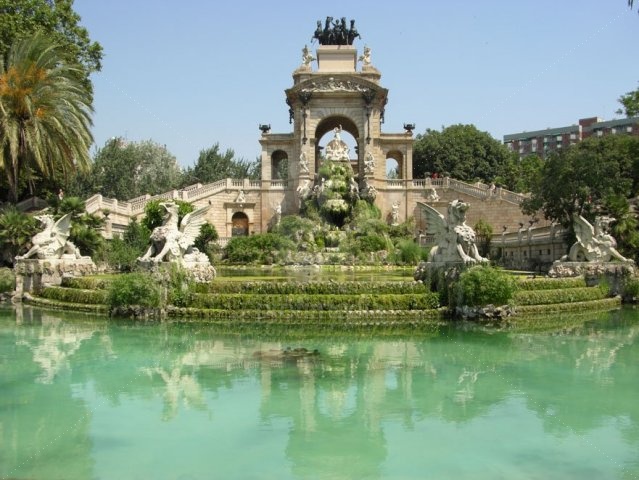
336	58
200	270
594	272
32	275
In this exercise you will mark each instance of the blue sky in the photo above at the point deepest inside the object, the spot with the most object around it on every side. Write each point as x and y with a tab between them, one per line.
193	73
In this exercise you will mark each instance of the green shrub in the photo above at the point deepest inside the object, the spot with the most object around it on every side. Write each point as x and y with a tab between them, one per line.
262	248
7	280
370	243
631	288
208	234
180	286
134	289
483	285
409	252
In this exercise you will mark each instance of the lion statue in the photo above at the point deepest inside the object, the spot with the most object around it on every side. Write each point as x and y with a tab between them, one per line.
52	242
456	241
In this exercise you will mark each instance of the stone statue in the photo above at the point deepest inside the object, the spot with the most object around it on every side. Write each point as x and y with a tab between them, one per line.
395	214
337	150
241	197
304	190
173	243
431	194
278	213
456	241
52	242
303	163
307	56
353	188
365	57
369	164
593	244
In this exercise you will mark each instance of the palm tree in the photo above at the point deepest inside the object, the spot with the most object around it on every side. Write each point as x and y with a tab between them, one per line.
16	229
45	113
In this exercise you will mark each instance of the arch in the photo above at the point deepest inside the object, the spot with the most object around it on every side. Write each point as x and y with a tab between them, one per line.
351	137
329	123
279	165
239	224
394	164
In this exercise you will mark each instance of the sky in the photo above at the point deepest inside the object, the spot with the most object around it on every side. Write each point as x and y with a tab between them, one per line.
193	73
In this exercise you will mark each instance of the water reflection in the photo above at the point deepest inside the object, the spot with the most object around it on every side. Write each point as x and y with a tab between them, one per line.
90	387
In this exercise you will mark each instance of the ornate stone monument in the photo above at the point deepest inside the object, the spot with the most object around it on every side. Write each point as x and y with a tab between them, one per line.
51	256
172	242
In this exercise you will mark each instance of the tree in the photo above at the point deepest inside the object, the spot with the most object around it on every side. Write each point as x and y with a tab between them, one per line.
126	170
45	113
16	230
460	151
21	19
581	178
630	103
519	175
213	165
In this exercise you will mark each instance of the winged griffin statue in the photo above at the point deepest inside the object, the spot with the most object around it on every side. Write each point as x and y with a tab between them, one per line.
456	241
52	242
594	244
173	242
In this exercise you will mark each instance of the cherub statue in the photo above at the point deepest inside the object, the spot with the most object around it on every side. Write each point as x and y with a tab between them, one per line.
170	242
593	244
456	241
52	242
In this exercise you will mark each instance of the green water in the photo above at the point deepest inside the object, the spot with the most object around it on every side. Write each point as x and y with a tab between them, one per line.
81	398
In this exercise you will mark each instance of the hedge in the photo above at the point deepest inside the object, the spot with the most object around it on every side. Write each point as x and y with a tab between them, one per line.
279	302
565	295
313	288
87	283
551	283
601	304
75	295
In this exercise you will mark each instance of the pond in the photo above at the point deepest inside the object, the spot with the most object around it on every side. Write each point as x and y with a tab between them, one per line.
83	398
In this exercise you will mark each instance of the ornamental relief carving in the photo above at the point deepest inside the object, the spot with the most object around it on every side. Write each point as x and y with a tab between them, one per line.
333	85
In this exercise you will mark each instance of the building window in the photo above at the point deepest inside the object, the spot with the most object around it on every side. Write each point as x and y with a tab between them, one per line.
573	136
558	138
599	133
613	130
629	129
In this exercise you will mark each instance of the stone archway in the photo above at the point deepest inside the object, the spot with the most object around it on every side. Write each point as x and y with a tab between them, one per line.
328	124
239	224
394	165
279	165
